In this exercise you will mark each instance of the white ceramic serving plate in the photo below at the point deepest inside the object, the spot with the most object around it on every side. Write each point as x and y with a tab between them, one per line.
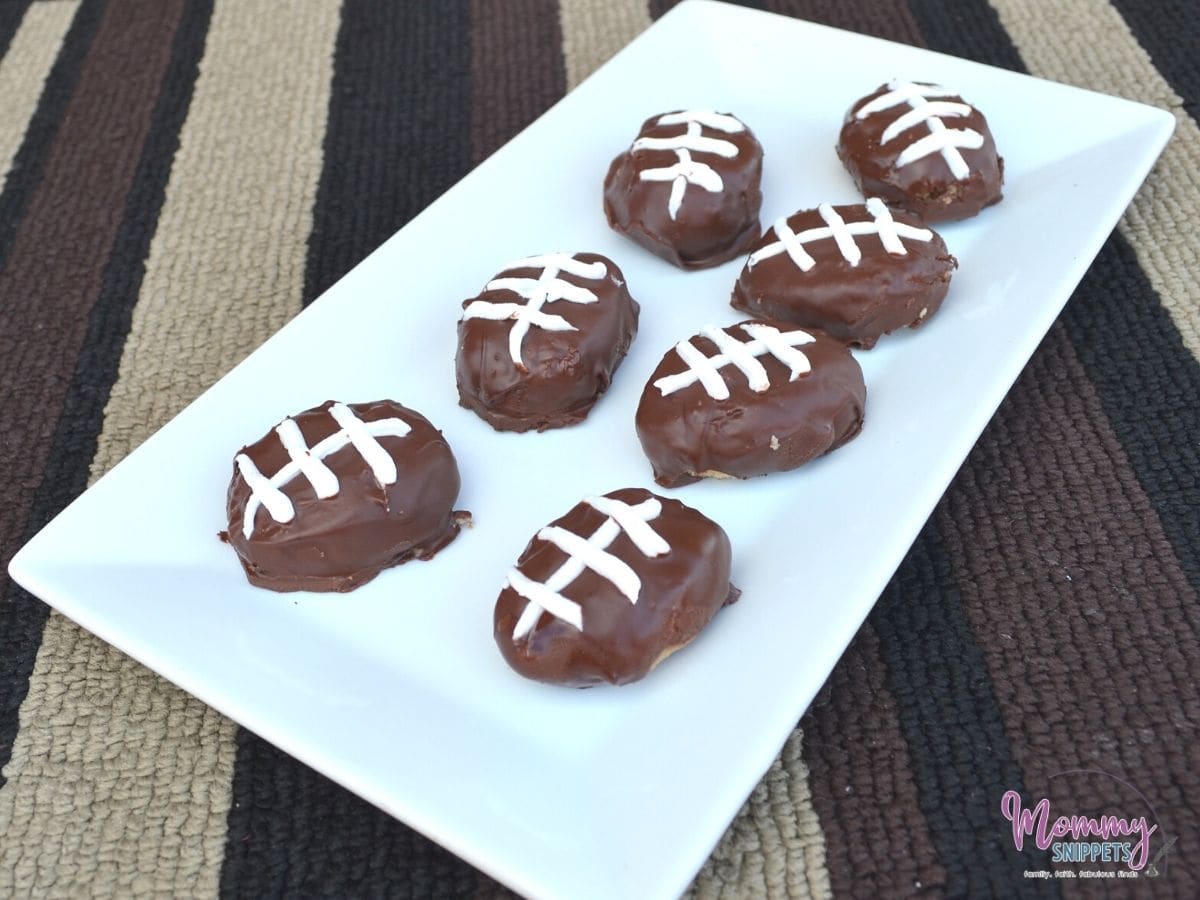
397	690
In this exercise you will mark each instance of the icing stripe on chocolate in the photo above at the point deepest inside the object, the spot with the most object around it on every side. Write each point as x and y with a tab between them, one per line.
383	467
709	119
882	224
564	262
324	482
740	356
691	140
537	292
941	108
267	492
589	553
943	140
763	339
841	234
889	230
648	541
781	346
542	597
902	92
603	564
699	368
688	170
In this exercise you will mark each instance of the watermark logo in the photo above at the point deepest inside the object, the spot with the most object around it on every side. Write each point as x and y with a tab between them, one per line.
1067	837
1121	841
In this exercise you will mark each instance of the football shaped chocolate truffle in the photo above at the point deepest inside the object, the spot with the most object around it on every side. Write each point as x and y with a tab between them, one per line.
611	589
749	399
855	272
540	344
922	148
332	495
688	188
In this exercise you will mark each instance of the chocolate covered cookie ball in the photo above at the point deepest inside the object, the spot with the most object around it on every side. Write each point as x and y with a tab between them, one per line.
749	399
333	495
856	272
606	592
922	148
688	188
540	344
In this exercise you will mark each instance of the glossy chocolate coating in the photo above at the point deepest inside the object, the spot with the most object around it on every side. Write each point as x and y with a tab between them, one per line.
620	642
925	187
563	372
688	435
341	542
853	303
710	227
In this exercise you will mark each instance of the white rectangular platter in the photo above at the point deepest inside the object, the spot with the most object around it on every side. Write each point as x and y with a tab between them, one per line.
397	690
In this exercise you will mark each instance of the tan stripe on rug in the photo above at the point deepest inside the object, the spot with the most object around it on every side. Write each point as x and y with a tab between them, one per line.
1087	43
120	778
593	30
23	71
775	846
226	267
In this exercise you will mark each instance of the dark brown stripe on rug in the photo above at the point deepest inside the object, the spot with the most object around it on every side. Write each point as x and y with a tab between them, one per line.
1149	387
887	19
877	843
1170	32
294	833
1087	570
61	266
399	133
399	127
659	7
30	159
970	29
953	723
511	88
11	14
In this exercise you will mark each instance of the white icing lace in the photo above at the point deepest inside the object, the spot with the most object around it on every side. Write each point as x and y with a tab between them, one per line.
882	224
537	292
308	461
943	140
742	355
589	553
688	170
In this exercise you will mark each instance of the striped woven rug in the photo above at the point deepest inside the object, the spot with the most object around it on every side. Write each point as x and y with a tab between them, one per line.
179	177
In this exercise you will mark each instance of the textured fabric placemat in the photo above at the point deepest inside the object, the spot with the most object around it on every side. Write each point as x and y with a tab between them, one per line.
179	177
